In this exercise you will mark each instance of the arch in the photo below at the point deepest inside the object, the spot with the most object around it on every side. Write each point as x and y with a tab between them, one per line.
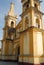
12	23
36	6
37	23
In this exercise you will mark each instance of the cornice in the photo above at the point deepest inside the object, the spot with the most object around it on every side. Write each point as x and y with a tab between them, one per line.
32	28
10	17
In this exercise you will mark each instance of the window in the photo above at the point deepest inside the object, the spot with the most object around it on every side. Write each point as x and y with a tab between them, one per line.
27	6
37	23
12	23
36	6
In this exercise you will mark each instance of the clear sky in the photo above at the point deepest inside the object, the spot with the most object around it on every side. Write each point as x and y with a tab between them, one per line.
4	8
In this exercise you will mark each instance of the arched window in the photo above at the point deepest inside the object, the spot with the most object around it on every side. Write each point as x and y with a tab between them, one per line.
36	6
27	6
12	23
37	23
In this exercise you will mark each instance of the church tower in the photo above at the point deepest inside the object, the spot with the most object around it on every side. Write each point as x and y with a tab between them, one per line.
31	43
9	34
31	11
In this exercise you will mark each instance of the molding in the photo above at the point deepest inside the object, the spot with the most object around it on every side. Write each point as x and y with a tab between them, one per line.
23	63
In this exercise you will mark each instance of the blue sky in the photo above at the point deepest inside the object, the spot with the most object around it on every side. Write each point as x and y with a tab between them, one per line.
4	8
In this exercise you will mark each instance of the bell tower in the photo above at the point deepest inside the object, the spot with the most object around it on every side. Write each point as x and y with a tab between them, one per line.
10	21
9	33
31	47
31	12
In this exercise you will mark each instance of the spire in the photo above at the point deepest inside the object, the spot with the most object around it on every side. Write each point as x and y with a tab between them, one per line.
11	11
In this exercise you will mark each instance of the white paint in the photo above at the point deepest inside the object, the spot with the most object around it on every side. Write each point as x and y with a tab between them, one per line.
26	43
36	60
39	44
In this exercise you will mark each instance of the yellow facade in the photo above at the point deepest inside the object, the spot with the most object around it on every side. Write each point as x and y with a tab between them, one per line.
25	42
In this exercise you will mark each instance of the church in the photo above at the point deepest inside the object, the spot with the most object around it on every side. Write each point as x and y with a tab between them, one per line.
24	42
